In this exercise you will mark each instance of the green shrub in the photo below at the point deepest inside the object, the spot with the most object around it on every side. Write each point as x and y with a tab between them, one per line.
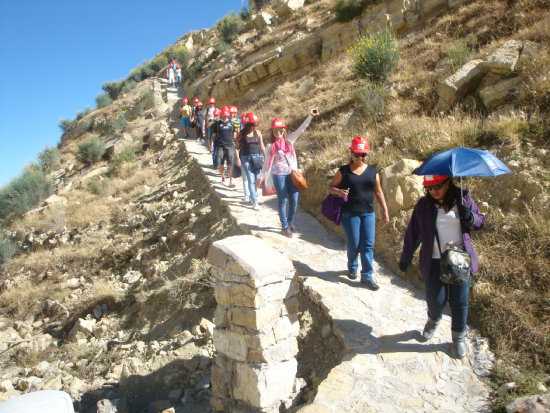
375	55
117	122
81	113
460	51
91	150
49	158
7	248
128	86
66	125
127	154
245	14
103	100
99	186
84	125
346	10
148	99
24	192
230	27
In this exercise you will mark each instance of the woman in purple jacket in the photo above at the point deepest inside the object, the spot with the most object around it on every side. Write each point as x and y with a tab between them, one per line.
442	208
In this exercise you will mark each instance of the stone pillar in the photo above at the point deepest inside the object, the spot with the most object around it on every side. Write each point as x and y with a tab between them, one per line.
256	326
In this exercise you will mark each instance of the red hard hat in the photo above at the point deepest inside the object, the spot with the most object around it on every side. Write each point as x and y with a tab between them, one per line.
278	123
233	109
225	108
178	66
199	103
252	118
359	145
196	100
434	179
211	100
185	100
244	118
217	112
225	113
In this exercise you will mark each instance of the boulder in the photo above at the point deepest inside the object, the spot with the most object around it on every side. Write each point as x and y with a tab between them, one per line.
83	328
131	366
56	200
286	8
502	92
262	21
402	189
529	404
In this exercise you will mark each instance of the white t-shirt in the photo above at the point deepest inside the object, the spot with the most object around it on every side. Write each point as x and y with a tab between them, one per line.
448	228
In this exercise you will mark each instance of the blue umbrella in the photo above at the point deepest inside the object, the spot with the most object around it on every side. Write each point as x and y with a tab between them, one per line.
463	162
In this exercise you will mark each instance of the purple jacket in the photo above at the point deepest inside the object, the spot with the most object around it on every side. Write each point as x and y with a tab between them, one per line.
421	230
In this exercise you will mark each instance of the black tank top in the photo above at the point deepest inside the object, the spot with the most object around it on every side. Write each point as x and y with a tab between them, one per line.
224	133
361	189
250	145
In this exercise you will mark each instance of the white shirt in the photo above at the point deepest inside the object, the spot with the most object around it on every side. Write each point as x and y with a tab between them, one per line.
448	228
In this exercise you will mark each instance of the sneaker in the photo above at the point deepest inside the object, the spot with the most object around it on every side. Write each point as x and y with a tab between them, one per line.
245	199
286	232
352	275
292	228
370	284
256	207
232	185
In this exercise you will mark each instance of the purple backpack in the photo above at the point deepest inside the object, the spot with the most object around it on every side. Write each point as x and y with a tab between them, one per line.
332	208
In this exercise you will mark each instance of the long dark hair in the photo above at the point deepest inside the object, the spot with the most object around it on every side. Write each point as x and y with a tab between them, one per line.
450	198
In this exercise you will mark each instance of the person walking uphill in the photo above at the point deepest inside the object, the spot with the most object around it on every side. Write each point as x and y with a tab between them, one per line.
360	183
280	160
442	211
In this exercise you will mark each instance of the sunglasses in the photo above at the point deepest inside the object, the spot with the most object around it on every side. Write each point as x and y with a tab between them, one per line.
278	130
436	187
359	155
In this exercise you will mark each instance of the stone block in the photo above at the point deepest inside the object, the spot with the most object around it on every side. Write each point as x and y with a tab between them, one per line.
460	83
231	344
222	292
502	92
337	38
286	327
262	340
286	8
282	351
505	58
255	318
216	256
221	317
291	306
263	264
264	385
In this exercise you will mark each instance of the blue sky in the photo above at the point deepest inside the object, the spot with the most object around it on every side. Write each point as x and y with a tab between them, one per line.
55	55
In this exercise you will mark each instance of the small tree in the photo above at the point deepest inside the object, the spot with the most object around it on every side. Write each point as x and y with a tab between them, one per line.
49	158
103	100
375	55
230	27
346	10
7	248
91	150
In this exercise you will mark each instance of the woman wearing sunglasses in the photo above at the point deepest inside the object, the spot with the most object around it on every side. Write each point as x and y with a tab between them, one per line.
444	210
360	183
280	160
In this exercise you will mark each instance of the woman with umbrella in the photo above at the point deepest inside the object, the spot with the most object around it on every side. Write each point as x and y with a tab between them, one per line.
445	215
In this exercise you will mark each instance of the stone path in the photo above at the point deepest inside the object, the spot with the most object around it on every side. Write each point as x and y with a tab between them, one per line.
386	367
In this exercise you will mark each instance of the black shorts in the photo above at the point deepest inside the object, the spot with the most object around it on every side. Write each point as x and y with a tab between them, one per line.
226	154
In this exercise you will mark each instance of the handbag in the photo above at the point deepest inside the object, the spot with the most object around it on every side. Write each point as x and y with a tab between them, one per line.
332	208
456	264
266	191
256	163
297	178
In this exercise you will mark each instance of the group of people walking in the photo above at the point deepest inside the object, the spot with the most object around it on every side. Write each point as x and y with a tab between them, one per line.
173	73
444	215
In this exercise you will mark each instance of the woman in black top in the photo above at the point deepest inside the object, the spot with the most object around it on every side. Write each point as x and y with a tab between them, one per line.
360	184
252	151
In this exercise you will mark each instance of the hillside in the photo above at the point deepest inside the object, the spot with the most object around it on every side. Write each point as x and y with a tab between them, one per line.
113	269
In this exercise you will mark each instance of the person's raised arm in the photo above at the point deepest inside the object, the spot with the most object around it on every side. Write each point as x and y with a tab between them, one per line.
302	128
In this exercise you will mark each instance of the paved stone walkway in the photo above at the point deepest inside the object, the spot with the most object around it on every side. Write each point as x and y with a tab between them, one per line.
386	367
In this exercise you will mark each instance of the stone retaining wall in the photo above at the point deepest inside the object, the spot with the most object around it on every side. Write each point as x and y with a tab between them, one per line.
256	327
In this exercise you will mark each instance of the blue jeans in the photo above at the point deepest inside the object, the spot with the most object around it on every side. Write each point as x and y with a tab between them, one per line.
251	177
437	294
285	188
360	231
214	153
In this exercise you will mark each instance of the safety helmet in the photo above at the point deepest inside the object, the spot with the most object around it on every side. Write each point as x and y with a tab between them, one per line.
199	103
177	66
430	180
225	108
244	118
278	123
196	100
185	100
252	118
233	109
217	112
359	145
211	100
225	113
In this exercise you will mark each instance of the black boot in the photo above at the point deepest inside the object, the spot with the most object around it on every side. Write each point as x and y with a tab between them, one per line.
459	348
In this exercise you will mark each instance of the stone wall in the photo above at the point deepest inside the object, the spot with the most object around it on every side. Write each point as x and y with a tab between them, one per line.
256	327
